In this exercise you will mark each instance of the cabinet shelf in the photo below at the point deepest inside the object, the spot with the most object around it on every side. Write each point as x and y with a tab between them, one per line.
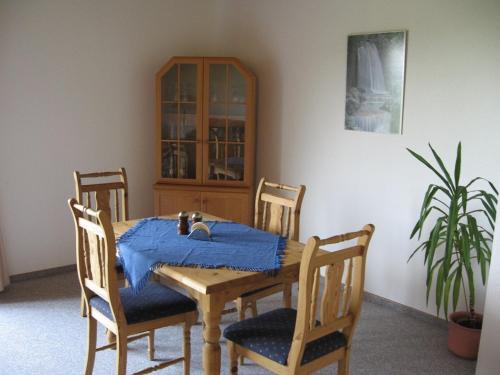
177	102
227	103
222	118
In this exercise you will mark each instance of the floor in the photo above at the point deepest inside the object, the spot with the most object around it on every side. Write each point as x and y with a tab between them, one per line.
41	332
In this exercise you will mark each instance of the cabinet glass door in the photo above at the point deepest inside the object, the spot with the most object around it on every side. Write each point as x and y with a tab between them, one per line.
180	121
226	117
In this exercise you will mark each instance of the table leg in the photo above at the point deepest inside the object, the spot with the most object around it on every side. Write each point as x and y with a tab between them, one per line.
211	307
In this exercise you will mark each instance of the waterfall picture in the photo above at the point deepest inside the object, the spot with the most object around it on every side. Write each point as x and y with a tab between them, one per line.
375	82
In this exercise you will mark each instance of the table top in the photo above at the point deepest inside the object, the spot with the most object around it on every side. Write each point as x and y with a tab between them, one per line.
206	281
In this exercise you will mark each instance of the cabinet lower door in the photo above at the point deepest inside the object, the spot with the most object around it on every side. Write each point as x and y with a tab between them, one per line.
230	206
173	201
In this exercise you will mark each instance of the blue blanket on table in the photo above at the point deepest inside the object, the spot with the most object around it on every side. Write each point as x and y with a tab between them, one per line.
154	242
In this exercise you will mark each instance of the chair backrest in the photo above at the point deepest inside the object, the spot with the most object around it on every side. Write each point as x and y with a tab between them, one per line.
96	255
99	193
340	303
277	208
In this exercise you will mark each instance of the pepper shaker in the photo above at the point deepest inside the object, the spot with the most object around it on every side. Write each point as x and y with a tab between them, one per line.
182	224
196	217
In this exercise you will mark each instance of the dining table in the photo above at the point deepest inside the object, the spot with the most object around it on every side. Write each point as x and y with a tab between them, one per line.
213	288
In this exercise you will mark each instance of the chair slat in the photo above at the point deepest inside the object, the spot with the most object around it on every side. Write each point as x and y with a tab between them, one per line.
117	205
332	293
266	197
275	218
281	186
314	298
265	209
100	174
347	288
102	198
103	186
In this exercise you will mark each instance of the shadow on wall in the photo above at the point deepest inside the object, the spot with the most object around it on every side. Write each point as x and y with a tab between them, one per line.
270	127
248	42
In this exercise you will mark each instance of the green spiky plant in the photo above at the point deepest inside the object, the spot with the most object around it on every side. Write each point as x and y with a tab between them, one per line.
463	222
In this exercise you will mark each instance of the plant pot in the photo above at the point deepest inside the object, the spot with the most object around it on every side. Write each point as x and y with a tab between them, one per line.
463	341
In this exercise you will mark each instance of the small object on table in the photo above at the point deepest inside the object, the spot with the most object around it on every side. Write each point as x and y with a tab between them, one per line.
182	225
196	217
199	231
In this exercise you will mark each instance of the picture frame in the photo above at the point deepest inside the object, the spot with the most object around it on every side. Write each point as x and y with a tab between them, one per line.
375	82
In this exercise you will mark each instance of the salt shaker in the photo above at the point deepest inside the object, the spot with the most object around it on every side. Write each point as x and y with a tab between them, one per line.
196	217
182	224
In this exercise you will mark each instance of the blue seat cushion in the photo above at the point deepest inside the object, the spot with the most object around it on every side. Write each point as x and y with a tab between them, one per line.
155	301
271	334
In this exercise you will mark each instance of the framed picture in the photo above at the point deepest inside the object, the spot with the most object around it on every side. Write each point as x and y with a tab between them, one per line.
375	82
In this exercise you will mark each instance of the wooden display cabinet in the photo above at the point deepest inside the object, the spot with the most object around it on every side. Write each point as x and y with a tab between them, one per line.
205	119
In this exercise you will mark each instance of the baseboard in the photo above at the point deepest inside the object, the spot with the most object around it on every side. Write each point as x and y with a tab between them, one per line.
42	273
369	297
417	314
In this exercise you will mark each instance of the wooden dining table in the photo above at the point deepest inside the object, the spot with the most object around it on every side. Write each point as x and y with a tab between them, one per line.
213	288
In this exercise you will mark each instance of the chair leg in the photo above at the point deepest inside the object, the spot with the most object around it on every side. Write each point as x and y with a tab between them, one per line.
253	306
233	358
287	295
121	354
343	365
241	310
187	348
241	316
91	345
151	344
83	308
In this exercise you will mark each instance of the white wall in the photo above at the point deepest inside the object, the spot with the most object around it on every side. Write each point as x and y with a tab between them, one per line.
77	92
298	51
70	72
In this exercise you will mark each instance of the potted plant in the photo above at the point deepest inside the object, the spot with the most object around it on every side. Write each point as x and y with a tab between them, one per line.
462	220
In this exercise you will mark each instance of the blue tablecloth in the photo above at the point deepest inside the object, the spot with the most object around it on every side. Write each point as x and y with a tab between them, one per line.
154	242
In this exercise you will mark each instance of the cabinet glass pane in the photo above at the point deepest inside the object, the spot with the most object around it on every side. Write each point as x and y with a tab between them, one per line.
217	129
187	121
217	110
226	122
235	162
236	131
236	120
217	162
218	83
169	120
238	87
169	85
226	161
237	111
169	160
187	160
178	160
188	75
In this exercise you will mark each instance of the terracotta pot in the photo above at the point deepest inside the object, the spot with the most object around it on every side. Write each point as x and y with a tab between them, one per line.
463	341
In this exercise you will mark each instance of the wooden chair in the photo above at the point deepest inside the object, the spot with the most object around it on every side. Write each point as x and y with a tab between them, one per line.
119	309
288	341
280	214
95	190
